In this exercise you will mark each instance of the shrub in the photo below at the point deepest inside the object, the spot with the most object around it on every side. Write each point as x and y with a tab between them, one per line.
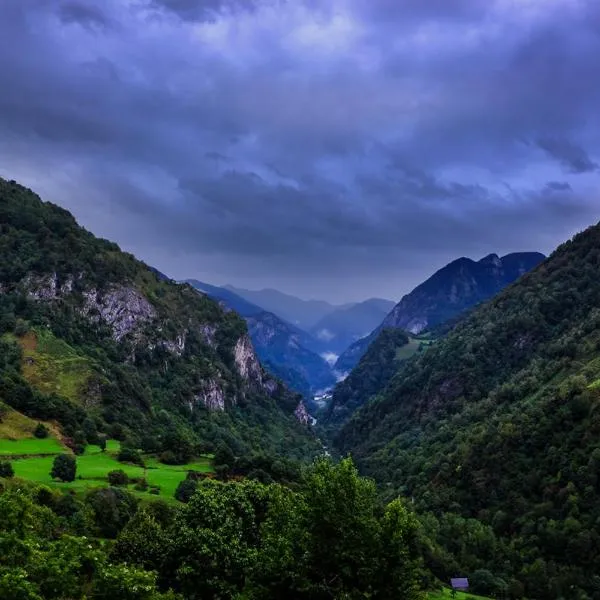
141	485
168	458
130	455
118	477
41	431
64	467
185	490
6	469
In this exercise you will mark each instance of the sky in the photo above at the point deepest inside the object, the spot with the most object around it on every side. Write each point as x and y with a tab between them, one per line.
336	149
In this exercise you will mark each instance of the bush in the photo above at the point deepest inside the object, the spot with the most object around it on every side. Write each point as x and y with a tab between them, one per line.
130	455
6	469
64	467
118	477
168	458
185	490
223	455
141	485
155	489
41	431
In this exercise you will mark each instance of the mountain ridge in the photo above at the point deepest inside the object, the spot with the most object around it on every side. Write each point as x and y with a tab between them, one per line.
149	346
494	430
461	284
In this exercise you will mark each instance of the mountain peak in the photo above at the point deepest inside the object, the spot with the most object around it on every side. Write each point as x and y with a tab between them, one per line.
491	259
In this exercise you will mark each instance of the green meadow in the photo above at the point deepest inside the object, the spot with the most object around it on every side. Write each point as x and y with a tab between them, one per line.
32	460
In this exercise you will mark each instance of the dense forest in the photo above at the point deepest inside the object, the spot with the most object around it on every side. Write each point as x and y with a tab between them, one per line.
494	433
93	338
327	538
373	371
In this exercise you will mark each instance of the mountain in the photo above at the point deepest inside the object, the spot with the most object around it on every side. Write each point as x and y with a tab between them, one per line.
94	339
494	432
376	367
231	300
345	325
301	313
282	348
459	285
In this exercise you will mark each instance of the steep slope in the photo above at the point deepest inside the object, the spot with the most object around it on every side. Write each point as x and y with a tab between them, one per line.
95	339
281	347
343	326
458	286
230	299
373	372
301	313
500	421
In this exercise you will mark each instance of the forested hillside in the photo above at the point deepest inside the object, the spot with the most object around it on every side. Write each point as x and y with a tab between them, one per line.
449	292
94	339
495	432
372	373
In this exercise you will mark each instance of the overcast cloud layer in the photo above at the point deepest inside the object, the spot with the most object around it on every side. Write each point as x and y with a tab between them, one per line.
331	148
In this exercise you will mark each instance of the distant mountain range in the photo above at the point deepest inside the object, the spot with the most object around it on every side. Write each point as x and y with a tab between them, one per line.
346	324
301	313
284	349
456	287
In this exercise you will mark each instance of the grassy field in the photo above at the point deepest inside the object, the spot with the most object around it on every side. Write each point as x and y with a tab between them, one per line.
32	446
94	466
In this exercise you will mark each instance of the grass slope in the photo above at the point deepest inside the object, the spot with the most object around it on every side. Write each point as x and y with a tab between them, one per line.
94	466
51	365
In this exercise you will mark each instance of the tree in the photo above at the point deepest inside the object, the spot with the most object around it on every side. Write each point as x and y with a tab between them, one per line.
131	455
6	469
185	490
40	431
223	455
118	477
64	467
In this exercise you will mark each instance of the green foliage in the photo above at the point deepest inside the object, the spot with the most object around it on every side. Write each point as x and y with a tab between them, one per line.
371	375
186	489
130	455
493	432
64	364
41	431
112	508
64	467
6	469
118	477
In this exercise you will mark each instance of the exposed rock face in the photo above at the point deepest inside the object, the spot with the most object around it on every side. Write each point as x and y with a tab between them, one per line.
302	414
212	396
208	333
176	346
46	288
124	309
246	362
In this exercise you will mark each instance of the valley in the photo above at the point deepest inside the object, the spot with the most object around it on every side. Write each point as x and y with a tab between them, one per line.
182	393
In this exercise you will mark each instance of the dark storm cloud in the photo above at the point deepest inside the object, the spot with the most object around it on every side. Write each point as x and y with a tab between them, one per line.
342	148
574	158
202	10
84	13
